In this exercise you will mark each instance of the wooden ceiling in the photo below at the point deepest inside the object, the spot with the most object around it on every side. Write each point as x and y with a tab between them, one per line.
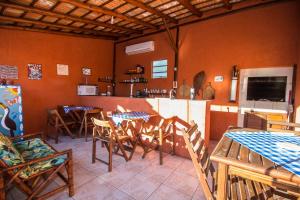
109	19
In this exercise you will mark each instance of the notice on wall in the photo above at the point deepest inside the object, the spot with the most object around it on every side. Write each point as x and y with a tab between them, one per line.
34	71
8	72
62	70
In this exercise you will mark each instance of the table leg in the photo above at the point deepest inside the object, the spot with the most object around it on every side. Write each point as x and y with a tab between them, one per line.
222	182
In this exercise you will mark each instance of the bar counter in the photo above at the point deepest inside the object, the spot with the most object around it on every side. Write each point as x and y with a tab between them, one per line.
186	110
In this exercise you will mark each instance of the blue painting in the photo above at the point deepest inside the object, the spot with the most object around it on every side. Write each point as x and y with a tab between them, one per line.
11	114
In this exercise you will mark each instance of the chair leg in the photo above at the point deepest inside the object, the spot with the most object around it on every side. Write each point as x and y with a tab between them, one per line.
2	187
70	174
160	148
133	144
173	143
94	150
110	156
120	145
56	135
85	128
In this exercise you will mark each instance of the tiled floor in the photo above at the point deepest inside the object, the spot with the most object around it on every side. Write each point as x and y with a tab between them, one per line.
137	179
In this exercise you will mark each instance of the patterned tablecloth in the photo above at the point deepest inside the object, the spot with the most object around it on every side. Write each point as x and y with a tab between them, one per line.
281	148
67	109
119	117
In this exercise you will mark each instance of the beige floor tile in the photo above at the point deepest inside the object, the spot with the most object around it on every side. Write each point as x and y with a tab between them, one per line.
199	194
158	173
170	161
139	189
100	190
166	193
81	176
117	177
187	167
182	182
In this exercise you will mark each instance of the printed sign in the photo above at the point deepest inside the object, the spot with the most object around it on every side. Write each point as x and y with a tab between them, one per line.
34	71
8	72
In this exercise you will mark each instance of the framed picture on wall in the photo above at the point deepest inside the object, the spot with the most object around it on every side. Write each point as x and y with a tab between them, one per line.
62	70
34	71
8	72
86	71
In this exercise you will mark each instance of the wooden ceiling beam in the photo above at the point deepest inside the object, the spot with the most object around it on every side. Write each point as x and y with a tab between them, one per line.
151	10
13	27
107	12
64	16
22	20
227	4
187	4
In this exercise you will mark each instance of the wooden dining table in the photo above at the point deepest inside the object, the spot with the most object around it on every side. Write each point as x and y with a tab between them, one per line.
236	155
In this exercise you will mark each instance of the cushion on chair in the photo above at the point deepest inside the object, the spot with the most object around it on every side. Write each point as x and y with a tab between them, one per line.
33	149
8	153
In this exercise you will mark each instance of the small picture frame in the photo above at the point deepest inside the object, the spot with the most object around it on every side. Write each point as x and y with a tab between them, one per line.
86	71
62	69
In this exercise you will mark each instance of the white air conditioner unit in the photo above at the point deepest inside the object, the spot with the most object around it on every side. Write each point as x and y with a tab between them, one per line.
140	48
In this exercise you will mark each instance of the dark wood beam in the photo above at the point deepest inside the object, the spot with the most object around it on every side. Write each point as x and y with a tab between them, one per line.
187	4
13	27
63	16
108	12
151	10
227	4
212	14
21	20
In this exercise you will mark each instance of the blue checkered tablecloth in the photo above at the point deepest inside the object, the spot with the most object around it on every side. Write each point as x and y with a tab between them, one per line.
67	109
119	117
281	148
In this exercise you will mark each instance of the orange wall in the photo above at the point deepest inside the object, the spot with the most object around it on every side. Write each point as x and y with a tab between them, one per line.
124	62
20	48
261	37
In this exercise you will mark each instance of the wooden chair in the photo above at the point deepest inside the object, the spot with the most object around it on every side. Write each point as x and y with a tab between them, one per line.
113	138
157	130
31	164
239	188
283	126
55	120
70	116
87	122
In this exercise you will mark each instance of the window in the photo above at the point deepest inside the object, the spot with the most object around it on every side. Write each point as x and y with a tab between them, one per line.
160	69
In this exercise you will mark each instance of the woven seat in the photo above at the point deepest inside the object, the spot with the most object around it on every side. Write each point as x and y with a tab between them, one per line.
33	149
31	165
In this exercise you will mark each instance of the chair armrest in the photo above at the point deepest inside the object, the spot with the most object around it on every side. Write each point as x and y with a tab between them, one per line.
29	136
55	155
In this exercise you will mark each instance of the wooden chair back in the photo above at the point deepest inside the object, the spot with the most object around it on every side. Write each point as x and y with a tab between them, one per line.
200	158
110	136
283	126
55	120
103	129
87	120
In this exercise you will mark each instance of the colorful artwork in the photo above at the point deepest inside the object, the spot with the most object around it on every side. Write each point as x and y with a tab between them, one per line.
8	72
34	71
11	114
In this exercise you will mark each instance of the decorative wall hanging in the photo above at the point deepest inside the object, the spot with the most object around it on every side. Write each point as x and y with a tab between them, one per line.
62	70
86	71
34	71
198	81
8	72
11	114
209	92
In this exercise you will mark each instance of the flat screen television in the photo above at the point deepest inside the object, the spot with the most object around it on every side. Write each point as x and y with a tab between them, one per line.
272	88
